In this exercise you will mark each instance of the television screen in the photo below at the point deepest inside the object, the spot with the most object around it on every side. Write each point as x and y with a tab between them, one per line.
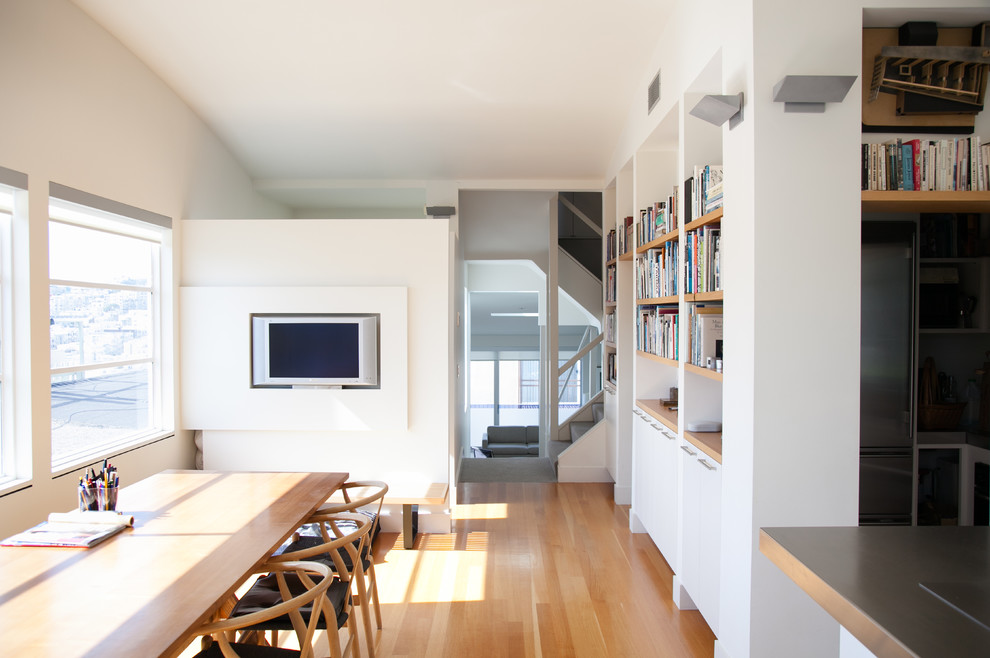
314	350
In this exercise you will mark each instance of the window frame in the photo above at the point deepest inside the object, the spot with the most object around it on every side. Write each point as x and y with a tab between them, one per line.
14	452
94	213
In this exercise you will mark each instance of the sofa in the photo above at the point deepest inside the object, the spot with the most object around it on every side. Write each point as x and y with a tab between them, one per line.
512	440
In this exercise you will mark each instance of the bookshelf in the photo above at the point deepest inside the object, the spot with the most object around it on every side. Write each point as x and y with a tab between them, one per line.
925	202
674	222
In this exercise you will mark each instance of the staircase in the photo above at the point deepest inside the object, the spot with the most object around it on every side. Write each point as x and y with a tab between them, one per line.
579	228
575	429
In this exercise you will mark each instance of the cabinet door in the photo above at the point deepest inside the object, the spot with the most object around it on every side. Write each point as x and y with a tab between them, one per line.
640	468
667	501
710	554
690	521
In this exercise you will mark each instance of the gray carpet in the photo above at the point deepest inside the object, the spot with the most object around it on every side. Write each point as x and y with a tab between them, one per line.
507	469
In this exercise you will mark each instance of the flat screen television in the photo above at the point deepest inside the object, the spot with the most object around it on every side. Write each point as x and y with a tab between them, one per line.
308	350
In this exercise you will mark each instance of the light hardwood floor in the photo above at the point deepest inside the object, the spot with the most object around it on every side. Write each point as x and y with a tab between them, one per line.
533	570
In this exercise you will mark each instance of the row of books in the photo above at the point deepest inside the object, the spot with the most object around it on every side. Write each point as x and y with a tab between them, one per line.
610	327
950	235
610	368
943	165
610	284
656	272
611	246
624	235
702	260
662	217
705	335
657	328
703	191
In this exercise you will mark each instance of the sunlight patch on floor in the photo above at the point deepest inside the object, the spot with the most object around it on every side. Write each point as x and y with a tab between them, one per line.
480	511
444	568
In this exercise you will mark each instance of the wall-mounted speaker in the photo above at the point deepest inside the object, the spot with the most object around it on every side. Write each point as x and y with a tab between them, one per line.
440	211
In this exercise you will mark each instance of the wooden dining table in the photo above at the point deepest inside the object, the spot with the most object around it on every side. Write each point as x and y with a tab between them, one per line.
197	536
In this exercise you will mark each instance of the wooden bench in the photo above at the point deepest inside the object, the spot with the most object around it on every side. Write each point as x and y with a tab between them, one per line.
411	497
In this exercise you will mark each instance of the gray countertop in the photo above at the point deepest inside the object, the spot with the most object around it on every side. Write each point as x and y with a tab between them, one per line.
902	591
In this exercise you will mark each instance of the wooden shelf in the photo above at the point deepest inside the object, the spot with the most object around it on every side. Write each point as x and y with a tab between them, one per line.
949	261
656	301
709	443
659	359
658	242
611	304
666	416
714	217
610	262
713	296
704	372
956	330
918	202
609	344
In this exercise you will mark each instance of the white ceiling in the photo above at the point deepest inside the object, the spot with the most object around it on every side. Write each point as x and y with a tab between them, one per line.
304	91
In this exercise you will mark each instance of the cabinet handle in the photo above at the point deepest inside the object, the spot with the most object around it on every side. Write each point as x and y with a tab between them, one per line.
655	426
688	451
704	462
670	437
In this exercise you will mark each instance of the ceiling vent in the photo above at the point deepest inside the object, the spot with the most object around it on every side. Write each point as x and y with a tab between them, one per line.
653	93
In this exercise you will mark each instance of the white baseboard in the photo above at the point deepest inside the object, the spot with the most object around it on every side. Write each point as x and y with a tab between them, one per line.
682	599
720	651
582	474
635	525
622	495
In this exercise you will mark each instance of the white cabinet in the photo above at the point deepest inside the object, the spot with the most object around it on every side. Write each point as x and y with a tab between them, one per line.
655	491
665	478
701	493
641	518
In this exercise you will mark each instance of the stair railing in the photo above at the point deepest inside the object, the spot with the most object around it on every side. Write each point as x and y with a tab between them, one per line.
566	371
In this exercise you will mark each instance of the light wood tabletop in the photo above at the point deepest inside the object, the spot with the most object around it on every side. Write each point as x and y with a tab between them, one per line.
196	536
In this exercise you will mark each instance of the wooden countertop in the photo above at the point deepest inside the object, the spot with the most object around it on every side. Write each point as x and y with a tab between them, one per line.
878	582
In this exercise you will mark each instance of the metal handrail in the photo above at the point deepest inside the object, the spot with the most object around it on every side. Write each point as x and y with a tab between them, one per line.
581	354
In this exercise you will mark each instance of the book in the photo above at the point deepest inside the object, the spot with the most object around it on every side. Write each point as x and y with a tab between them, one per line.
709	339
907	166
72	529
915	145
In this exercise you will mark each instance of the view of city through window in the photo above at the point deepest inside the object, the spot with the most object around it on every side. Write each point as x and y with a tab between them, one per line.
102	337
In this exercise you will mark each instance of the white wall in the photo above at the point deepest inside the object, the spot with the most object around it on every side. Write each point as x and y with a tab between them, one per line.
505	225
320	256
80	110
215	327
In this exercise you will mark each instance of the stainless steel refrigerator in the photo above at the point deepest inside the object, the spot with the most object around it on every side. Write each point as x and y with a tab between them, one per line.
886	434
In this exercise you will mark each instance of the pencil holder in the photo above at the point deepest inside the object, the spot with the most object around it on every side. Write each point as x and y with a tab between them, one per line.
106	498
87	498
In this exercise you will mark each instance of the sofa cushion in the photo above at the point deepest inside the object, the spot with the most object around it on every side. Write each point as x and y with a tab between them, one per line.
507	434
503	449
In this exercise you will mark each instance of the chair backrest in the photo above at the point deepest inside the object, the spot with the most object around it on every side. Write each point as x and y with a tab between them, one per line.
315	579
356	495
342	533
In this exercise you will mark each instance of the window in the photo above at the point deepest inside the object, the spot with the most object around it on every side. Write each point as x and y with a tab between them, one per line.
8	447
107	327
